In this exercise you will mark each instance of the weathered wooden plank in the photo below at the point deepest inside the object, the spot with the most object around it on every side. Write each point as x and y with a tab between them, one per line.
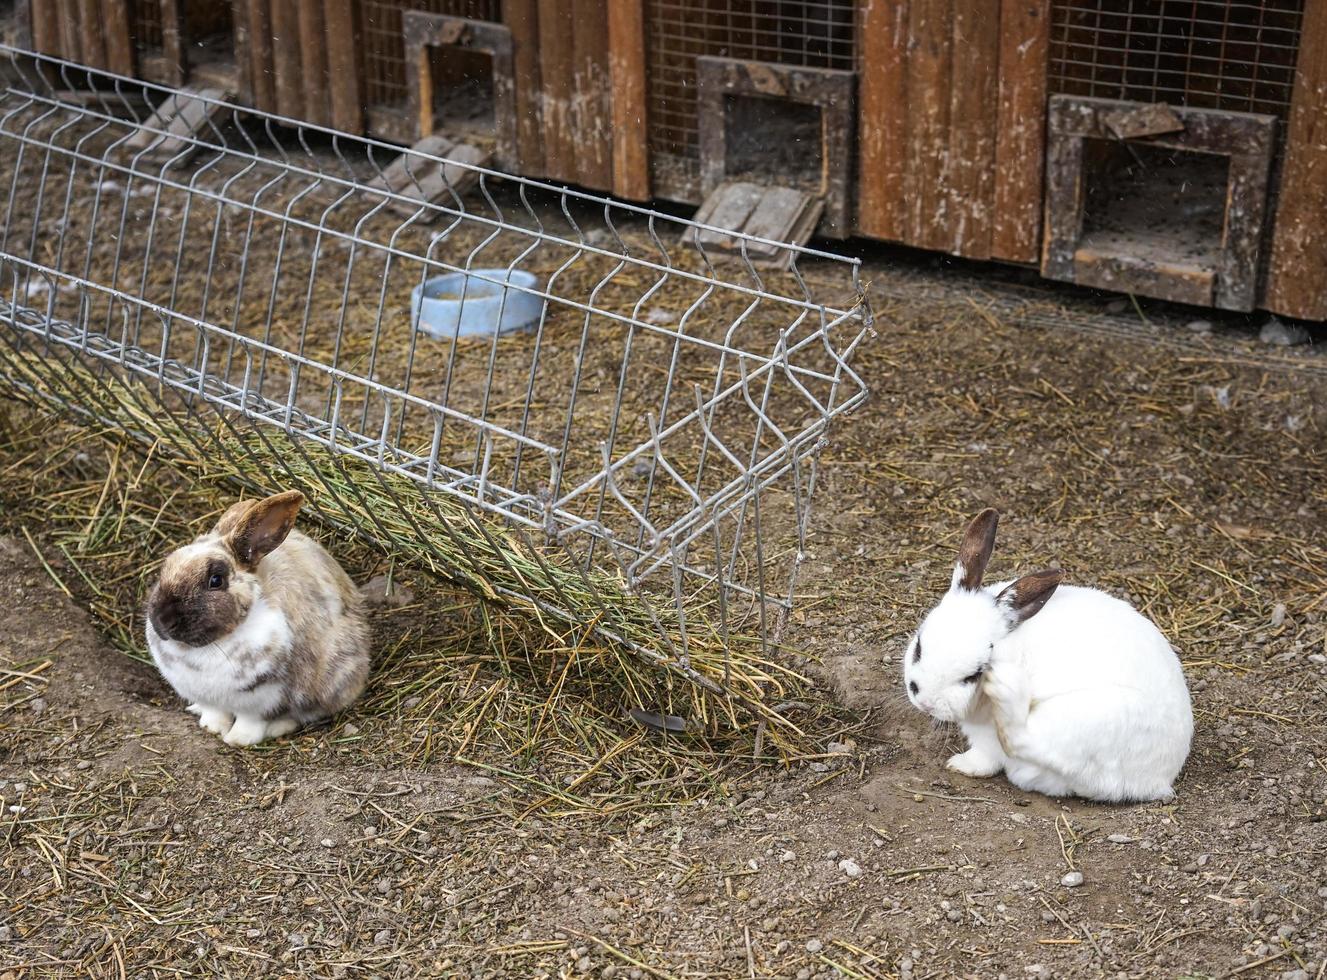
1172	281
1020	147
556	70
1143	120
930	70
313	61
883	121
1297	274
172	41
969	174
592	108
286	61
260	47
522	18
46	26
119	47
345	79
184	114
626	58
71	37
414	175
92	45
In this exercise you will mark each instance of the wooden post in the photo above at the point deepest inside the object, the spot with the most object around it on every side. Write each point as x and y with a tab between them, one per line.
522	18
1297	275
1020	149
119	45
626	60
882	126
343	66
313	61
286	58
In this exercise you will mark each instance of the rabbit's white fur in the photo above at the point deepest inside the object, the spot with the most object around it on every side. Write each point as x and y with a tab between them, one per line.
1081	696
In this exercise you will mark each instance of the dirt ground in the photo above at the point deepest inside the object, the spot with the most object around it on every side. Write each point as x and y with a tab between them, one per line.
1181	469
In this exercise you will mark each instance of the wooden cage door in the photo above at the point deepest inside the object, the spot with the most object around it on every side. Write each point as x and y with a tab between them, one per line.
91	32
952	124
1297	274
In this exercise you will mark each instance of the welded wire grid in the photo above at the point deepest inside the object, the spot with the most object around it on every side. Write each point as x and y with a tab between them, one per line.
655	431
802	33
383	44
1210	54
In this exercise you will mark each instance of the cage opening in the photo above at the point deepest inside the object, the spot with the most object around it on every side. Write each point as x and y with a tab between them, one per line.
209	30
774	141
1154	203
463	91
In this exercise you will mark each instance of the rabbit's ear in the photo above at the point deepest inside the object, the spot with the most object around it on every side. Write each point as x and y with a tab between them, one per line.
1023	599
256	532
975	552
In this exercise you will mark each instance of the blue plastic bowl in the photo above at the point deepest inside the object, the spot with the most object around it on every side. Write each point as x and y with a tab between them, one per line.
462	304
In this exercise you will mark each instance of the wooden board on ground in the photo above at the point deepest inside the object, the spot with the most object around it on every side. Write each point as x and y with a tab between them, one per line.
421	179
169	132
779	214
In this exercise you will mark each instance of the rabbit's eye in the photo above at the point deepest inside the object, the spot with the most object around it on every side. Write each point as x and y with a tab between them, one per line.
216	581
917	651
974	676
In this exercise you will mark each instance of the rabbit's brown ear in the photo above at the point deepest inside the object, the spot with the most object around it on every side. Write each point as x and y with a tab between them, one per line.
255	532
1023	599
975	552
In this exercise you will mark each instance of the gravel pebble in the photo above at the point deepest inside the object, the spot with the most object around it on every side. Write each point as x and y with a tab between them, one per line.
850	868
814	946
1199	326
1121	839
1072	880
1278	615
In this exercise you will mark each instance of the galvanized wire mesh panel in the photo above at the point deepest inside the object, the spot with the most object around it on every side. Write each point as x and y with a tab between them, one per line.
384	44
640	461
1209	54
804	33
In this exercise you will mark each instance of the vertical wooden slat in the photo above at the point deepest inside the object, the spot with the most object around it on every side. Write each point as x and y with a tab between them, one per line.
969	175
313	61
346	105
89	19
521	17
46	26
119	45
286	57
261	70
556	61
67	21
1297	275
930	69
239	13
591	107
626	59
883	120
172	41
1020	150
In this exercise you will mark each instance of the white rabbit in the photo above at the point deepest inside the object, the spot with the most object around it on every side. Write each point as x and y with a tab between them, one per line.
1069	691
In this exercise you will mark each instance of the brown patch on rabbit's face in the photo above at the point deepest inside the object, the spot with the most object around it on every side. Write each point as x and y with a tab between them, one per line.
200	596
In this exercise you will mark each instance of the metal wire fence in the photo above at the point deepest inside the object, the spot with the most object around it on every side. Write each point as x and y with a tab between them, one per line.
639	463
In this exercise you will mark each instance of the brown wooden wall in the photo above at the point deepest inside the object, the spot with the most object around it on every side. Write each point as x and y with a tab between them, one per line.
1297	273
952	101
90	32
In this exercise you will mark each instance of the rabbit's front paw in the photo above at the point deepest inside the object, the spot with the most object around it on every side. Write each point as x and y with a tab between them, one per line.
976	763
246	731
212	720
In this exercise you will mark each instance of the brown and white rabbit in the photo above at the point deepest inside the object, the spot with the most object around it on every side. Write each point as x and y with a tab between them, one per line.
257	626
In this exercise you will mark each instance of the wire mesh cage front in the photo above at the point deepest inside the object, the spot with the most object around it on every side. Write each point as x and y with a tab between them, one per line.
640	462
384	42
801	33
1206	54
